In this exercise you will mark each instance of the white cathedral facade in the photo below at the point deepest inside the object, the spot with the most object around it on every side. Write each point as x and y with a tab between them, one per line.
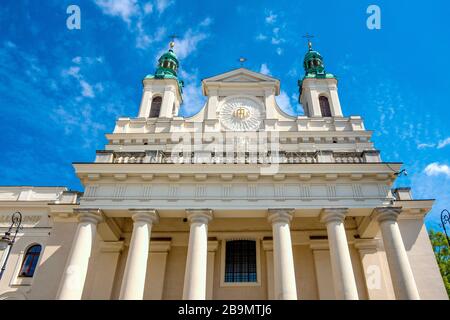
240	201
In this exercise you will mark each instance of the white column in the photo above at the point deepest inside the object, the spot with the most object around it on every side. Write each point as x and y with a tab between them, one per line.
133	282
168	101
283	264
72	282
197	256
402	277
146	102
341	264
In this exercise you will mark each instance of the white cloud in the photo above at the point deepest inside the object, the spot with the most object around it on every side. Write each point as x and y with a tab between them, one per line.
72	71
206	22
148	8
293	71
284	102
162	5
443	143
279	51
271	18
425	145
121	8
264	69
188	44
435	169
87	90
143	40
261	37
76	60
193	100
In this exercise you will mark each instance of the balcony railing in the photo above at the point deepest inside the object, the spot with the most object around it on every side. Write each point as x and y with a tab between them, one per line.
237	157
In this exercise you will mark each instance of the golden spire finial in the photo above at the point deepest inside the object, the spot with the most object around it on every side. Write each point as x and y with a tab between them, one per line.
172	42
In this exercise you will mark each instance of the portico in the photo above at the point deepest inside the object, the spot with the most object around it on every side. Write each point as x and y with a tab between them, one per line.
287	230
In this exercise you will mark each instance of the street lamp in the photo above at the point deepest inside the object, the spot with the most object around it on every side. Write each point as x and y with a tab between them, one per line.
6	242
445	218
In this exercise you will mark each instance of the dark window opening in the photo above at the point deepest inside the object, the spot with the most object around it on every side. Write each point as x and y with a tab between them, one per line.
240	261
325	106
30	261
155	107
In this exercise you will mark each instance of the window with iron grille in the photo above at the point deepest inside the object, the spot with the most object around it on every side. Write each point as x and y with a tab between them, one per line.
240	261
30	261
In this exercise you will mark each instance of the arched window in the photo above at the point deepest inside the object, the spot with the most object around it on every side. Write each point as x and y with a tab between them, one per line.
240	261
30	261
155	107
325	106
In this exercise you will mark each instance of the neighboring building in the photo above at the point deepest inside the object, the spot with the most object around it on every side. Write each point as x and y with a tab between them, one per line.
240	201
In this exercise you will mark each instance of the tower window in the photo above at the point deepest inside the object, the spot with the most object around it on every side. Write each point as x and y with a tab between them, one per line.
325	106
240	261
156	107
30	261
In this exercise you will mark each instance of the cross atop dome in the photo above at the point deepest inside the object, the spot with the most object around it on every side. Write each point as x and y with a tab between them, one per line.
309	37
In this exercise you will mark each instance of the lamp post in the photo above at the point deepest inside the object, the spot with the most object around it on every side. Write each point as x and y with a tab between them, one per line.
445	218
6	242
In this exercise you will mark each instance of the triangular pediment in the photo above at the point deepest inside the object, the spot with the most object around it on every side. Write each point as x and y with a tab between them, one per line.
240	75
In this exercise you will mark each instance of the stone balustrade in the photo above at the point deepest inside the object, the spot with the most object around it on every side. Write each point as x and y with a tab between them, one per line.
324	156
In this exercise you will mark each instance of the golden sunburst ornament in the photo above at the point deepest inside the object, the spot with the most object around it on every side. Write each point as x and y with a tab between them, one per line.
241	114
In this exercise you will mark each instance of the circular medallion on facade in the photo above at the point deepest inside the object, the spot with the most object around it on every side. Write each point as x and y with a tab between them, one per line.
241	114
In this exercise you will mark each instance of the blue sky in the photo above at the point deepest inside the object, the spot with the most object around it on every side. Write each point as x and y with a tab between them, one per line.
61	90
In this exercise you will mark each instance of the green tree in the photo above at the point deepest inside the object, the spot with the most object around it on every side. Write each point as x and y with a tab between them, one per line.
442	253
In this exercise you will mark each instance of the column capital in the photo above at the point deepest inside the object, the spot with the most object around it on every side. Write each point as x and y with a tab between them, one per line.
145	215
280	215
199	215
386	213
333	215
92	215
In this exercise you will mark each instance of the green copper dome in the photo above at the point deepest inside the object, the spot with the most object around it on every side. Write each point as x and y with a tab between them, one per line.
167	67
313	63
314	67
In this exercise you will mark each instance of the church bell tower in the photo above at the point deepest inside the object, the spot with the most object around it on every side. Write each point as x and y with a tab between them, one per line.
318	89
162	93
